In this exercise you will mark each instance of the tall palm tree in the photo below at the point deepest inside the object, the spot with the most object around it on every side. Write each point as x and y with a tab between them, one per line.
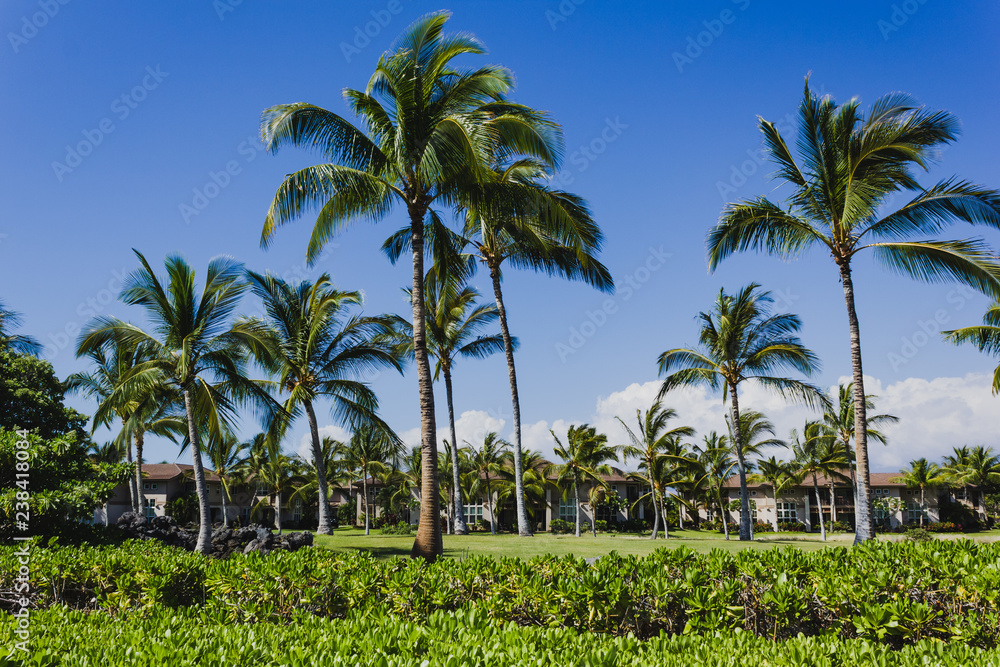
454	321
816	453
11	342
954	466
430	125
780	475
273	472
650	443
742	341
535	481
195	351
921	475
585	456
557	235
371	450
486	463
849	166
226	456
755	429
321	352
986	337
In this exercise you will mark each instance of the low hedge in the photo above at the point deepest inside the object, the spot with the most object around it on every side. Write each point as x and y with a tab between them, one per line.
894	593
462	639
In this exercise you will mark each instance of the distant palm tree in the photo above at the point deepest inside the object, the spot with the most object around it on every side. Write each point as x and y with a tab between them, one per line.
985	337
486	463
372	450
848	168
454	323
650	443
816	453
921	475
317	351
716	457
742	341
273	472
11	342
535	480
225	455
780	475
954	466
195	351
980	471
585	456
430	126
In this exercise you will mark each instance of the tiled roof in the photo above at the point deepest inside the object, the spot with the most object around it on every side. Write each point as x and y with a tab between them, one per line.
171	470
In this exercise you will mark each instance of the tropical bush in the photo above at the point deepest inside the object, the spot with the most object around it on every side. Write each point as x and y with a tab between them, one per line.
792	527
892	593
182	507
558	526
401	528
602	526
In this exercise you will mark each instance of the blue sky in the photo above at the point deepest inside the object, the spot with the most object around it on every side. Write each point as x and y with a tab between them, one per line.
135	125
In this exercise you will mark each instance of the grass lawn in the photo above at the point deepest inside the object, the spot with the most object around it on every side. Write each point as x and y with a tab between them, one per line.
455	546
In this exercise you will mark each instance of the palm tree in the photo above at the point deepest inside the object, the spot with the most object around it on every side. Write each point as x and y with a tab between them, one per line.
840	421
272	471
585	456
319	352
848	168
954	466
486	464
779	475
11	342
716	457
429	127
742	341
650	444
981	471
453	322
754	431
369	451
225	455
985	337
921	475
534	480
557	236
194	351
816	453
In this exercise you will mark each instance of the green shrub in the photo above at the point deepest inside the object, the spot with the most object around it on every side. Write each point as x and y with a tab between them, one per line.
401	528
183	508
792	527
558	526
602	526
917	535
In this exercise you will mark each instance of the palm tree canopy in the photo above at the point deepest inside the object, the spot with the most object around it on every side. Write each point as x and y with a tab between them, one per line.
585	455
985	337
11	342
839	418
921	475
741	340
848	166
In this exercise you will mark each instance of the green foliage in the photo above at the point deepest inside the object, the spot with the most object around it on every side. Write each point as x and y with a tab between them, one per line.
60	485
559	527
183	508
891	593
31	397
917	535
400	528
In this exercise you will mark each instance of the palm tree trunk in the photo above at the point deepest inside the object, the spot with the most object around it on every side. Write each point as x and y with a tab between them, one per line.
724	514
364	490
324	526
864	528
204	545
427	544
523	527
576	499
921	506
225	507
819	508
656	508
458	506
277	511
663	515
745	533
680	513
140	497
833	504
489	499
133	493
775	487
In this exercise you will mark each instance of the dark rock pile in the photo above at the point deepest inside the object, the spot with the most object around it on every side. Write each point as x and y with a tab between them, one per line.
225	541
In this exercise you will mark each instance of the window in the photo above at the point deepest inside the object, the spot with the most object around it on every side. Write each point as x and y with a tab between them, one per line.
149	486
881	514
473	514
262	488
753	493
787	512
914	511
150	508
878	492
567	510
297	510
632	492
189	487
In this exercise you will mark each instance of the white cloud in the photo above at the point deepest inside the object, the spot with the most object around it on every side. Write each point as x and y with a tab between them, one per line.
329	431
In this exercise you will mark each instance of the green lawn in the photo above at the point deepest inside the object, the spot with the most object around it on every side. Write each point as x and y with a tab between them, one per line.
351	539
455	546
